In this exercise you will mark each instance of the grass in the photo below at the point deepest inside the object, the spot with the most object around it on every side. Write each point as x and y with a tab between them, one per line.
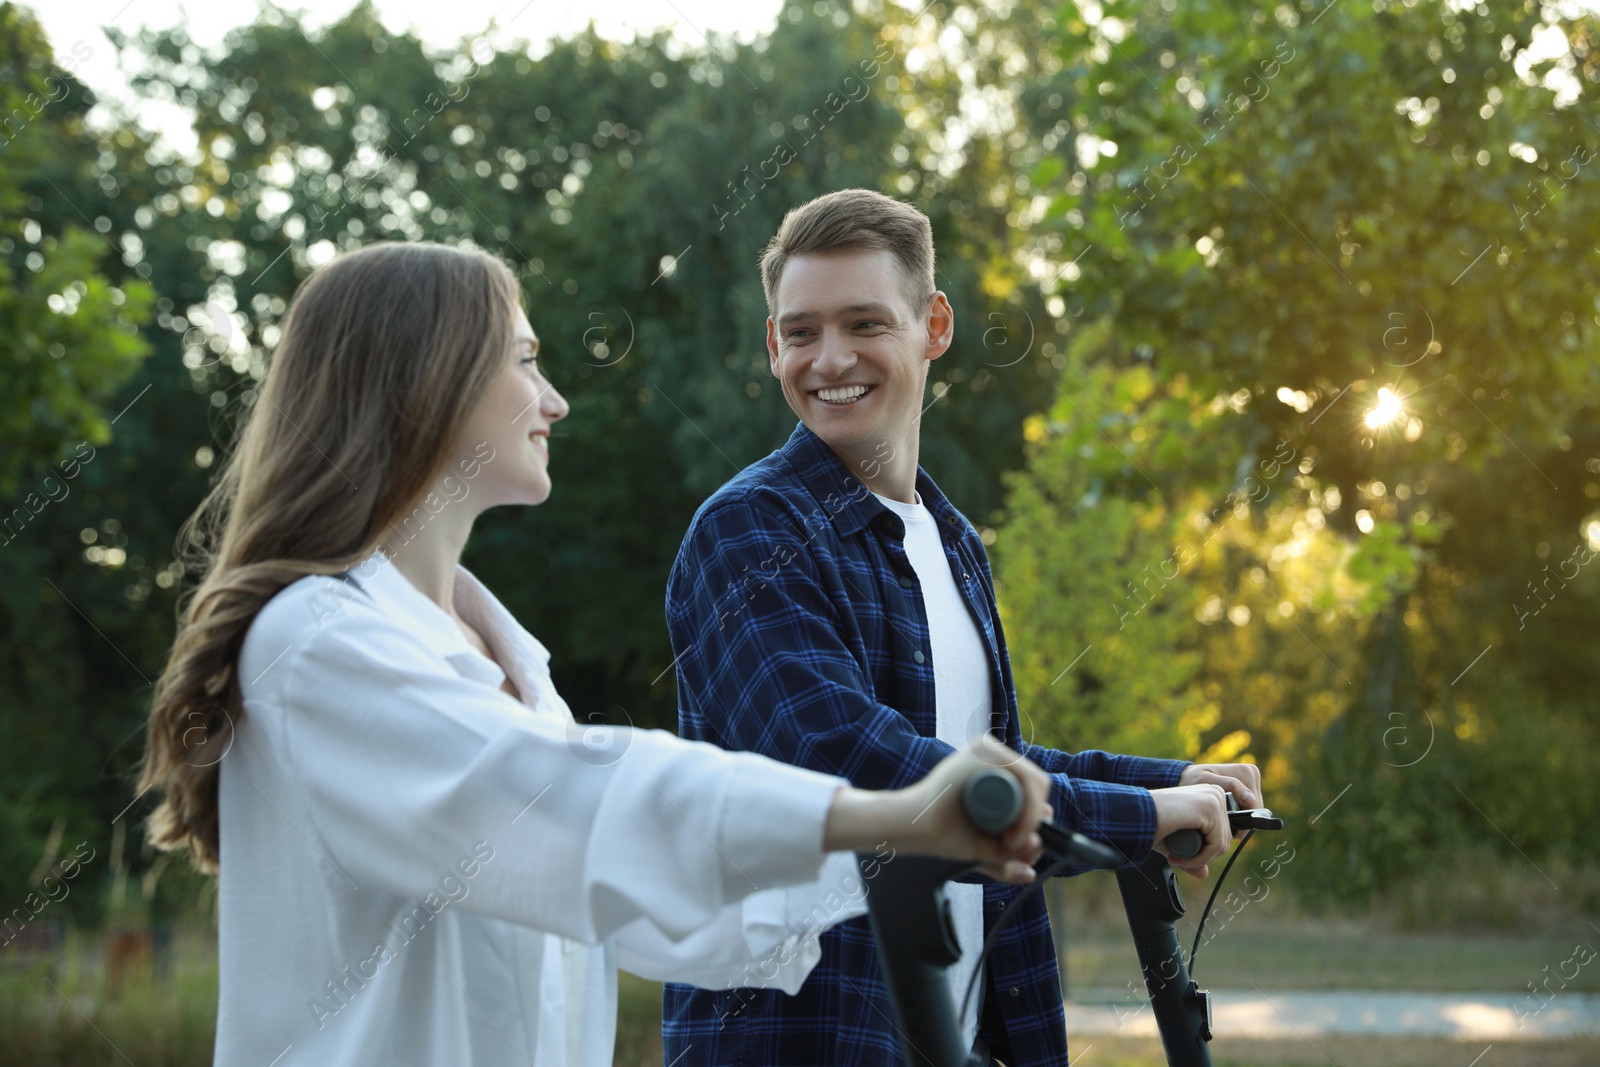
1275	946
62	1016
638	1022
1281	956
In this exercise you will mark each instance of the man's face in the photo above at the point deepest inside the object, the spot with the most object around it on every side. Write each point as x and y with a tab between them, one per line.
849	351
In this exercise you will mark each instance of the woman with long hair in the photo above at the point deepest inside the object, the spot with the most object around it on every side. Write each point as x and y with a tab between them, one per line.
421	857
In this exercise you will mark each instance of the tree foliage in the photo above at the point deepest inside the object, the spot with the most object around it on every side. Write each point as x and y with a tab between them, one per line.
1361	237
632	186
1188	245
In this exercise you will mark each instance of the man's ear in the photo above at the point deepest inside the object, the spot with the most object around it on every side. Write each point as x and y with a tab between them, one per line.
772	346
941	326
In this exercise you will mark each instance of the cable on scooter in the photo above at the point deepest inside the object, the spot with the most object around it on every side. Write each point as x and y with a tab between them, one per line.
988	943
1055	869
1205	912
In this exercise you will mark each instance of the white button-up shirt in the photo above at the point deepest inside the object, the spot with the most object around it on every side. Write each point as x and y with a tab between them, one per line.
418	868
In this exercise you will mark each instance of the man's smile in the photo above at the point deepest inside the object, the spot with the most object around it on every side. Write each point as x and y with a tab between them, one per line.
842	395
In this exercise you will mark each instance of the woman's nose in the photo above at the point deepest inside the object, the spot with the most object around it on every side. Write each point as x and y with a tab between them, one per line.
553	404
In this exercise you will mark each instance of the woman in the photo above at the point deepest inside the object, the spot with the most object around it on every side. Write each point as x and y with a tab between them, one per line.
421	858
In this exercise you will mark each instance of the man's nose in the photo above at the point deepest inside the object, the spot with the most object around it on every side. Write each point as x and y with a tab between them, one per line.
836	355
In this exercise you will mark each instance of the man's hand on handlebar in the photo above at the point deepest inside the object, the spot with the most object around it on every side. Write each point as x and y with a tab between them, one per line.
928	818
1202	807
1243	780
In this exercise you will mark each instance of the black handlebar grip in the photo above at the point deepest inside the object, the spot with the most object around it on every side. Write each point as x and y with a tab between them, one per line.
993	800
1181	844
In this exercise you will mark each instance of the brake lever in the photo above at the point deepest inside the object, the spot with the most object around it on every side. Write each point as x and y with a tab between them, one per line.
1253	819
992	799
1080	850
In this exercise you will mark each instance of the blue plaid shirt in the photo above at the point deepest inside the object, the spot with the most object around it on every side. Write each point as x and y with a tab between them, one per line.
800	633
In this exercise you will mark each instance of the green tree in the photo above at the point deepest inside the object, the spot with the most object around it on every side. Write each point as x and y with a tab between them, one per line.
634	191
1363	234
601	170
71	304
71	331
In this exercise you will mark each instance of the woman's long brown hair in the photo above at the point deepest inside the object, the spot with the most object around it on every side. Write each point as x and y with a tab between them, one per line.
385	353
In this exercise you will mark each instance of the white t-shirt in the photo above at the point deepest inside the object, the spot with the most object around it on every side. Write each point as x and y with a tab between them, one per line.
962	706
418	868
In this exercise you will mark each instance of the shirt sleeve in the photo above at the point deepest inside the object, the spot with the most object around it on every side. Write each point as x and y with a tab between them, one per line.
768	940
1109	767
763	661
1121	814
405	766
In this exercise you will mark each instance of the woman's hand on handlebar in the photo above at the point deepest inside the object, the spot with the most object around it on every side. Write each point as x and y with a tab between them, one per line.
944	829
928	818
1202	807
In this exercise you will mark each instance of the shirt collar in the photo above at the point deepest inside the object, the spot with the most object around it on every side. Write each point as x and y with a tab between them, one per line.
847	501
398	598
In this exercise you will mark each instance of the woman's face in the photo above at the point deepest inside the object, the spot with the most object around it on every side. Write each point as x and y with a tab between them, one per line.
505	449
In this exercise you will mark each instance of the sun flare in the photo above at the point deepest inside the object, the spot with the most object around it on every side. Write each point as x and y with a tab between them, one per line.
1387	411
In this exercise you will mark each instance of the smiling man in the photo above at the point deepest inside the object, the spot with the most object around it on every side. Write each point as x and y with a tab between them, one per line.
831	609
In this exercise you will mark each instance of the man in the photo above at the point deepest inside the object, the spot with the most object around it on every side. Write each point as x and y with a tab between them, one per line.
830	608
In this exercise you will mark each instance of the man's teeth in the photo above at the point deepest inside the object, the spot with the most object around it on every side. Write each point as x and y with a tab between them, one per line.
843	394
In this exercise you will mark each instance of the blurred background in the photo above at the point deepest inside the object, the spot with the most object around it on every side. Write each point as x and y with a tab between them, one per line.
1273	396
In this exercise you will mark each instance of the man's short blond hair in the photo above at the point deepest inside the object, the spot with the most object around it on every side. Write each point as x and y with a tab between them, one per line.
855	218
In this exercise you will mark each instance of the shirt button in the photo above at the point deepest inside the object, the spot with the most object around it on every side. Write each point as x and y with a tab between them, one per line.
906	581
918	656
1002	905
1016	991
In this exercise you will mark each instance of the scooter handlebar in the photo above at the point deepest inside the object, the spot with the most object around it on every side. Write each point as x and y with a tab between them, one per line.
1181	844
992	799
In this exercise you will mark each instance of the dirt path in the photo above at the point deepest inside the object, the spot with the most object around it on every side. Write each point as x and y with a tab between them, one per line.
1254	1014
